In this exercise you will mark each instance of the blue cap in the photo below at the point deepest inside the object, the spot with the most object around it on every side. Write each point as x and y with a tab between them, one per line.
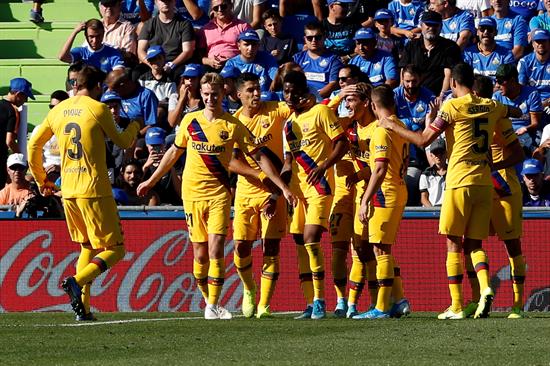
431	17
120	196
269	96
330	2
487	22
531	166
230	72
364	33
110	96
155	136
382	14
192	71
249	35
540	35
23	86
154	51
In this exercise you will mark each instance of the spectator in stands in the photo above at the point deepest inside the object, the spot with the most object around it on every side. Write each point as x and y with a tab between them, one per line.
35	14
231	102
137	11
536	192
432	180
534	68
478	8
406	17
131	175
119	33
432	54
195	11
251	60
541	21
158	79
20	91
527	9
250	11
486	56
458	25
189	97
138	103
339	29
176	36
313	7
385	40
278	44
18	191
277	84
378	65
511	28
524	97
72	74
364	10
348	75
96	53
218	39
541	152
319	65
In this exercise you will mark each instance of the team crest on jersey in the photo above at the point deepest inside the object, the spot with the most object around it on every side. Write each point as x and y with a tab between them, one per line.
548	69
420	108
259	68
265	123
508	24
323	62
104	61
523	106
305	128
452	26
496	61
224	135
377	66
412	11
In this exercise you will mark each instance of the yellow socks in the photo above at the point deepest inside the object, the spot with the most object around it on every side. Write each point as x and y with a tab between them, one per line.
517	266
200	271
397	288
481	266
455	276
472	278
305	274
317	265
87	253
99	264
339	271
244	269
384	274
216	276
356	279
270	274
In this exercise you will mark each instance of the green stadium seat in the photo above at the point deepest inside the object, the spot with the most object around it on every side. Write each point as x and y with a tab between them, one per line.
65	10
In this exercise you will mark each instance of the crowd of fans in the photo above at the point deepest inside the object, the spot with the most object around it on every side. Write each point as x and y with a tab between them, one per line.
154	52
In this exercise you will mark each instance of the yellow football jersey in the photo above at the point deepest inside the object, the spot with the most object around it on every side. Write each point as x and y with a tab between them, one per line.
469	123
80	125
388	146
505	181
360	146
209	146
267	128
309	137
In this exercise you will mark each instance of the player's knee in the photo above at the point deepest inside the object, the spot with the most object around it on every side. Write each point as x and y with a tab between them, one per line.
243	248
271	247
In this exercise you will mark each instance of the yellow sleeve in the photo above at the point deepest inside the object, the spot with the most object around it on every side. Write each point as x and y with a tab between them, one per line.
283	110
123	139
244	139
382	144
40	136
181	136
334	102
330	123
444	117
504	132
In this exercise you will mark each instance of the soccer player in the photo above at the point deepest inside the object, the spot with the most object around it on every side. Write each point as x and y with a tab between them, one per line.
315	142
81	125
384	201
506	216
209	135
469	123
256	208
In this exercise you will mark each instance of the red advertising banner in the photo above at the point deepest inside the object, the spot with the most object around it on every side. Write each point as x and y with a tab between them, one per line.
156	273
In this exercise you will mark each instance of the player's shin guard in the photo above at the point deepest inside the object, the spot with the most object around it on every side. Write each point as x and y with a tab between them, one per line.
100	263
472	278
481	266
244	269
384	274
517	265
397	288
455	276
270	274
317	266
216	277
305	274
372	282
200	272
87	253
356	279
339	271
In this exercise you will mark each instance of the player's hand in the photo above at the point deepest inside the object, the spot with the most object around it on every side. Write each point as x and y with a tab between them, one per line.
316	174
275	53
409	34
521	131
347	90
47	189
269	208
79	27
434	108
144	188
364	213
290	197
386	123
351	180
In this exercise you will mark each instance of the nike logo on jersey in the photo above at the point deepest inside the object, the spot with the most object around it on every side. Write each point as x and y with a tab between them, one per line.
195	133
305	63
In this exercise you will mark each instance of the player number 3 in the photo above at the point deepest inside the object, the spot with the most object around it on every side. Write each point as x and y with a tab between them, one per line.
76	152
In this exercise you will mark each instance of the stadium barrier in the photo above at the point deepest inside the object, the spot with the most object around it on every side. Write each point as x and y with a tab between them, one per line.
156	273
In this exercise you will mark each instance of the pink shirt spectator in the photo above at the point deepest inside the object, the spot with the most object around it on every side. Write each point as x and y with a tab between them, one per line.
222	42
121	35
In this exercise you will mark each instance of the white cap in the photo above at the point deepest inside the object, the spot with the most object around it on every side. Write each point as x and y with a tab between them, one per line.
17	159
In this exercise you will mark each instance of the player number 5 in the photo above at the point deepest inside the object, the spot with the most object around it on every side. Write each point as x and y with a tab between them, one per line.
483	147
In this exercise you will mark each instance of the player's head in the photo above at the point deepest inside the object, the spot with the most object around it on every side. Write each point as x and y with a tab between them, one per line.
383	101
462	76
349	75
359	101
507	79
212	90
120	81
410	77
72	73
249	44
483	86
131	173
487	30
272	22
314	36
91	79
57	97
248	90
94	32
295	89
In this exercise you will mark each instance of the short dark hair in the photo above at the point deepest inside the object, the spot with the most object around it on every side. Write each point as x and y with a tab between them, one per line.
483	86
271	13
383	94
364	90
463	74
297	78
354	71
314	26
60	95
246	76
412	69
94	24
89	77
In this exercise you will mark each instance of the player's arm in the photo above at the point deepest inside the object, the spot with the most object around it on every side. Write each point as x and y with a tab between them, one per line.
65	52
38	139
240	166
514	157
535	118
421	138
464	39
123	139
352	179
286	172
375	182
340	148
271	172
425	199
506	137
168	160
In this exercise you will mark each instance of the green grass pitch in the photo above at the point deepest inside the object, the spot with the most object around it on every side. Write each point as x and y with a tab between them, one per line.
186	339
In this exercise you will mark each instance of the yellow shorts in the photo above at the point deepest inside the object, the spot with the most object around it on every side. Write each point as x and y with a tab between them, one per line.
93	220
384	224
506	216
310	211
466	211
341	218
249	219
207	217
